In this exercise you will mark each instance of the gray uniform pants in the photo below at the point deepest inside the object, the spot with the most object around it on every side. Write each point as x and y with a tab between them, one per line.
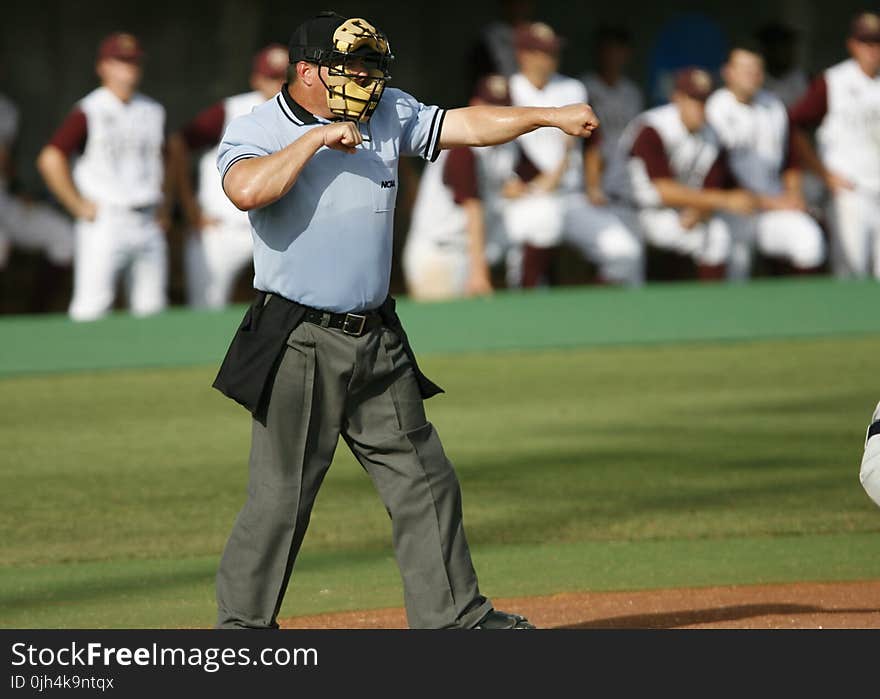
363	388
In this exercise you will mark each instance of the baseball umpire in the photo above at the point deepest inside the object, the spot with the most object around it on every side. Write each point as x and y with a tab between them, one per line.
321	352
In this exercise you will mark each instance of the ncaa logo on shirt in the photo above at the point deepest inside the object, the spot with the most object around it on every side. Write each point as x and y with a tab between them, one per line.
388	184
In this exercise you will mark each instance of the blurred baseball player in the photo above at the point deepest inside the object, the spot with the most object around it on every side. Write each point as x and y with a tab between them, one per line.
468	200
28	225
105	165
844	102
220	244
584	222
869	474
672	169
752	125
616	99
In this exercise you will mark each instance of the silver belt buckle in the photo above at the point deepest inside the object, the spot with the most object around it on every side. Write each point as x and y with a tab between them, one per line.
352	321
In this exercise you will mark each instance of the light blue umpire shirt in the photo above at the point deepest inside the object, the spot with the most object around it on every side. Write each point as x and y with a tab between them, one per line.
327	243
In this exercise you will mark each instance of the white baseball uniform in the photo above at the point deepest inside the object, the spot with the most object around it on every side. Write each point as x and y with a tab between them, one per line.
215	255
116	151
757	140
596	232
845	104
28	225
657	145
436	259
616	106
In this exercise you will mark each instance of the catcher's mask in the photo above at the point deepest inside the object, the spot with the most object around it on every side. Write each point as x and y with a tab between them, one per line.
358	62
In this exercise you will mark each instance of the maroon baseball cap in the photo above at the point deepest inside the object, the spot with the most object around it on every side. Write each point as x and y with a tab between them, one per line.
866	27
271	62
537	36
694	82
493	89
122	46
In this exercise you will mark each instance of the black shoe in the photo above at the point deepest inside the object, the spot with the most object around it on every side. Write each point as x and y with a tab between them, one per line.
501	620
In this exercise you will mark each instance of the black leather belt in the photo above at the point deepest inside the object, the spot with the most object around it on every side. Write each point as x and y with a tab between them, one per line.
355	324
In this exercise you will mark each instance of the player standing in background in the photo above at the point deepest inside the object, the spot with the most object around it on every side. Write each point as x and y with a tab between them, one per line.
105	165
844	103
672	170
468	200
585	223
753	127
615	98
29	225
220	243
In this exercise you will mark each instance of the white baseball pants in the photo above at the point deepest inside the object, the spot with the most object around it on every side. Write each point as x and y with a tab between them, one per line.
854	217
791	235
603	238
435	272
596	232
119	241
708	243
213	259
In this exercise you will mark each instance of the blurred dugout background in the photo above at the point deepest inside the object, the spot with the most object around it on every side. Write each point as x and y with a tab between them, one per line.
199	52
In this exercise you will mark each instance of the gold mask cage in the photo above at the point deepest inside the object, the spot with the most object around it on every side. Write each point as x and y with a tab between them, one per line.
358	48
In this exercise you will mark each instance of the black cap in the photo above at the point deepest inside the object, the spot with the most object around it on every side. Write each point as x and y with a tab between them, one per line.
314	37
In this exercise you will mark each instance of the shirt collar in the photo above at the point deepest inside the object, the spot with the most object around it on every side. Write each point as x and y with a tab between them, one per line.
293	109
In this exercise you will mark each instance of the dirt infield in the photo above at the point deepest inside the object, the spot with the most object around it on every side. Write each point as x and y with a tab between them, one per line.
850	605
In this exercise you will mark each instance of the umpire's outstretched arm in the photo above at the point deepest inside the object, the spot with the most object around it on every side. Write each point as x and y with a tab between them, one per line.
486	125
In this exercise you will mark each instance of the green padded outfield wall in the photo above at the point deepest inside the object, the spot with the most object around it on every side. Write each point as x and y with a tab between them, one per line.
571	317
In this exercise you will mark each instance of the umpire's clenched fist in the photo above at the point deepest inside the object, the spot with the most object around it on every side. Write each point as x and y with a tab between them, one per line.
343	135
576	120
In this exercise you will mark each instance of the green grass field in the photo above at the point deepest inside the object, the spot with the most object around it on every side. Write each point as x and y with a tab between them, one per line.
599	468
